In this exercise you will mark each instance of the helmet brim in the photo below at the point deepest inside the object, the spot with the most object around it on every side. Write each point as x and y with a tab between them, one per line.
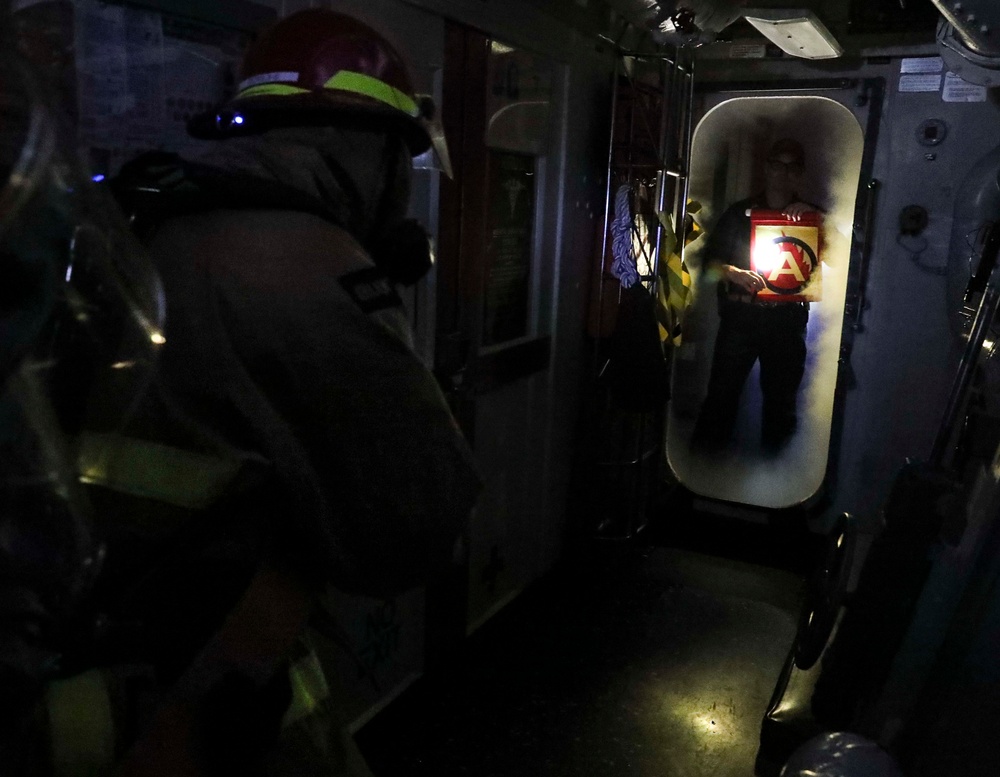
253	115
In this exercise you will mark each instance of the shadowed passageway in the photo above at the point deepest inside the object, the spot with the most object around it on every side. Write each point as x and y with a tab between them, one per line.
631	661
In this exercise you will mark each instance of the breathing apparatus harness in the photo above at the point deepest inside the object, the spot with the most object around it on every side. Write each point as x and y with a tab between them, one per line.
158	186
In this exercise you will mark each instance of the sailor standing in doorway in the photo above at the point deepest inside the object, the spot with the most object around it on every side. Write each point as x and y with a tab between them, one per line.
751	329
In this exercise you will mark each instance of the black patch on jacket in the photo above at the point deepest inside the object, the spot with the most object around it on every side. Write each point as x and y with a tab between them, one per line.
370	289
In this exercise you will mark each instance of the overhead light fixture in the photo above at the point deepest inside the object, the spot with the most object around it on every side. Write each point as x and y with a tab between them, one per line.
795	31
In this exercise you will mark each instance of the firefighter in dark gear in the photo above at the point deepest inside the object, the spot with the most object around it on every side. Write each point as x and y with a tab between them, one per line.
288	339
751	329
289	356
81	314
292	438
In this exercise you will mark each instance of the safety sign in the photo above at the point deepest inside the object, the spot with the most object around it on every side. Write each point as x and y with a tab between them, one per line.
786	254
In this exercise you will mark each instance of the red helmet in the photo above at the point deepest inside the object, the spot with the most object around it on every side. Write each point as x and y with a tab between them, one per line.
318	65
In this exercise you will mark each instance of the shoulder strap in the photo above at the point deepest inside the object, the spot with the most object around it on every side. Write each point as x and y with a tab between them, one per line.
158	185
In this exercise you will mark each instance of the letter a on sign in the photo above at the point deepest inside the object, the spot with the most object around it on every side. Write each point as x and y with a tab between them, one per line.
785	254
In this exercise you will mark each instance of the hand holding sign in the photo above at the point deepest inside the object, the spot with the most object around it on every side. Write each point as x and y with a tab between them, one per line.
747	280
797	210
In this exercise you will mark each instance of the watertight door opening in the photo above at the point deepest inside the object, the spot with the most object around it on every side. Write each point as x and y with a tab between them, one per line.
734	158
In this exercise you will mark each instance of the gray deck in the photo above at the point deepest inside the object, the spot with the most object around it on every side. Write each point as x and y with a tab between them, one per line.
633	662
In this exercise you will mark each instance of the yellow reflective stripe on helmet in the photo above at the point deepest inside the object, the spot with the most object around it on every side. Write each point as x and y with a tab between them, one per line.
359	83
270	89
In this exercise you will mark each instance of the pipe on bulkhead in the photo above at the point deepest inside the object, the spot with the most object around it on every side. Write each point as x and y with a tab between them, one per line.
977	207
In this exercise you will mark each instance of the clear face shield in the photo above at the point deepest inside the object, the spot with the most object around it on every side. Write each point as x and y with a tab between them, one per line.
437	156
81	312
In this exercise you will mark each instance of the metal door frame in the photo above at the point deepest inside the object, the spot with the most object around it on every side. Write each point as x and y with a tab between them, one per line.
870	94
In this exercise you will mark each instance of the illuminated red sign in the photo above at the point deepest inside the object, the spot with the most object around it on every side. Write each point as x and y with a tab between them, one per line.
785	254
